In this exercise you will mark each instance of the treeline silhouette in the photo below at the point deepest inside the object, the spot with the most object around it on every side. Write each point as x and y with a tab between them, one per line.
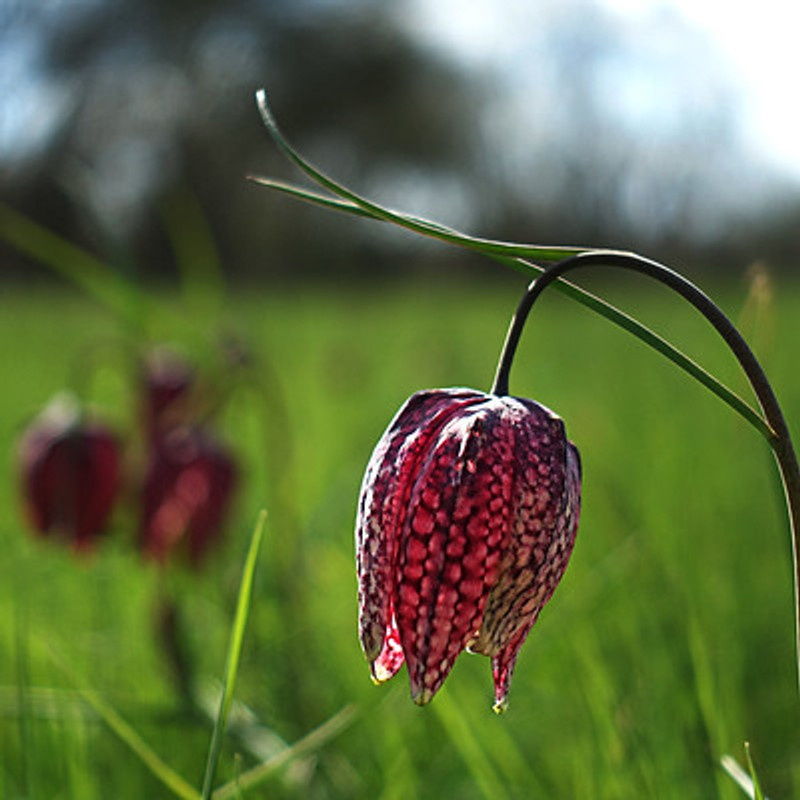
153	130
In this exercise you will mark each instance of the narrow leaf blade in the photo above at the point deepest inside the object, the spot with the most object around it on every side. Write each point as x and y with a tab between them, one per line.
416	224
311	742
234	653
520	257
178	785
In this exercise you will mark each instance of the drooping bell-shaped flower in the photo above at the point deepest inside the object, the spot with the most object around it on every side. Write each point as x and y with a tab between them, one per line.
466	521
187	490
69	470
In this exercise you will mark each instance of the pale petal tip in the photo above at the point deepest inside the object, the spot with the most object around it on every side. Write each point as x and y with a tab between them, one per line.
422	696
500	705
379	672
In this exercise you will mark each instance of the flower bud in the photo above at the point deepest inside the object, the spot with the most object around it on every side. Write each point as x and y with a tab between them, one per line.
69	469
466	521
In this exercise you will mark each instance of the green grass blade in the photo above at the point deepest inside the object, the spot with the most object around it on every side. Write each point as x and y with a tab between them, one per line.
737	774
27	742
234	653
308	744
177	784
758	794
475	758
371	210
748	783
416	224
72	263
310	196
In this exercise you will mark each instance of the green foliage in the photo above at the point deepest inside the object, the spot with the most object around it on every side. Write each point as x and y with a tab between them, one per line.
668	644
526	258
234	655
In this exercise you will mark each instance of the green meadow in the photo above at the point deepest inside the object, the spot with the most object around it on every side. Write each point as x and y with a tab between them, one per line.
668	645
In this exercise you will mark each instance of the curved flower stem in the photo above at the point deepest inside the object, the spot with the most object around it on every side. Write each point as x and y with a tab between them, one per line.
777	433
345	200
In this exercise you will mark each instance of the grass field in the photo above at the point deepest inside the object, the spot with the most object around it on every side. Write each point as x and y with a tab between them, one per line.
668	644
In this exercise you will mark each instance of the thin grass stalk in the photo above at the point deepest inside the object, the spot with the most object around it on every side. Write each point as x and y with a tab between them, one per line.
474	756
175	782
738	775
233	655
311	742
23	698
415	224
758	794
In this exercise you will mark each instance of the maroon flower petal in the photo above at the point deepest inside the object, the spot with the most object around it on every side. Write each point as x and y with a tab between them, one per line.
69	474
383	504
391	657
186	493
544	537
452	542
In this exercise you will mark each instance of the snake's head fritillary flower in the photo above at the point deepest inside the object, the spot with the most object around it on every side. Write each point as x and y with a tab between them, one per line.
466	521
187	490
69	468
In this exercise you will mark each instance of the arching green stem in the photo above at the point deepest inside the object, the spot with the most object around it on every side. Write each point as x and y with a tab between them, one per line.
521	257
777	433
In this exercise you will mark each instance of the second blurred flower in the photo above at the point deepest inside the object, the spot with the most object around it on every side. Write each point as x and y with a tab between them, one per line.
187	489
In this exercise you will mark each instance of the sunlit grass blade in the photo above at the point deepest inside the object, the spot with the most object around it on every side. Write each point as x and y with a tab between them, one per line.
234	653
368	210
509	254
176	783
315	198
463	739
575	292
402	776
311	742
748	783
72	263
739	776
759	795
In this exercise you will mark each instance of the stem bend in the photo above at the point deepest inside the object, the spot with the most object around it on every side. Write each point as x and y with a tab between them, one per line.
777	434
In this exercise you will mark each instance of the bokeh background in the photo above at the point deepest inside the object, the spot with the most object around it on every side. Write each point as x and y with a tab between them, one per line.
660	126
127	131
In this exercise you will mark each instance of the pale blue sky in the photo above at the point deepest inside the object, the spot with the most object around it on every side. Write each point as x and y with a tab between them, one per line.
755	46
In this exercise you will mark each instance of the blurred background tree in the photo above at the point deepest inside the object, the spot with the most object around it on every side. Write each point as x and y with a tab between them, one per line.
123	119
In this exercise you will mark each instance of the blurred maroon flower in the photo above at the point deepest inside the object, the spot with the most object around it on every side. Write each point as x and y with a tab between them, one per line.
466	521
69	470
187	490
166	386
